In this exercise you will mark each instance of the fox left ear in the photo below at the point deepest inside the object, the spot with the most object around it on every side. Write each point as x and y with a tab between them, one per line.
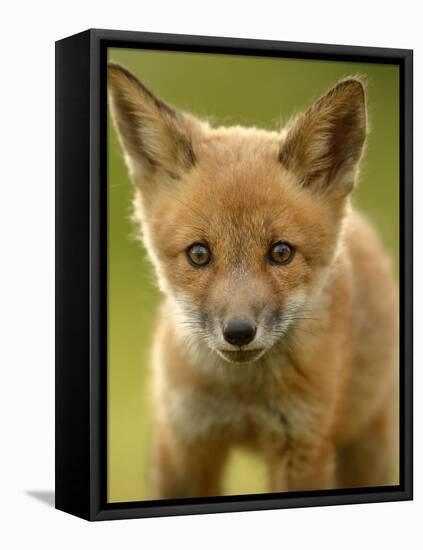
154	136
324	144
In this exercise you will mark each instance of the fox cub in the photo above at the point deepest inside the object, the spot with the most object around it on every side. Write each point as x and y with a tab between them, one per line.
278	328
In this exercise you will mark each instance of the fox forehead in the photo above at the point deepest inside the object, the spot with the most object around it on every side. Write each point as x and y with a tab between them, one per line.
236	176
233	145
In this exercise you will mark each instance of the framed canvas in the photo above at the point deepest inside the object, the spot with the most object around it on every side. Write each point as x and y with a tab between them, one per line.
233	274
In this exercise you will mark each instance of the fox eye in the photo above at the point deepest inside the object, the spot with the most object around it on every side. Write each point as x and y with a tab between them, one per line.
198	254
281	253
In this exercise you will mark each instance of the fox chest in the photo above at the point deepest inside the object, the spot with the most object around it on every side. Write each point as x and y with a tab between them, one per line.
199	414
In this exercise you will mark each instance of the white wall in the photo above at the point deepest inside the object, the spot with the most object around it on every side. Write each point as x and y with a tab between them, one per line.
27	37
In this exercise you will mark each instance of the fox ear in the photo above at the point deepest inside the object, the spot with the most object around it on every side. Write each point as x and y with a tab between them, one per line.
324	144
154	136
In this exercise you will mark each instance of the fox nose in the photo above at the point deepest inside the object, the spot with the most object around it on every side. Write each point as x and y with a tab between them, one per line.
239	332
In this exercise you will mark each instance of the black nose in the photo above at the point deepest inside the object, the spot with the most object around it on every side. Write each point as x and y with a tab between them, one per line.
239	332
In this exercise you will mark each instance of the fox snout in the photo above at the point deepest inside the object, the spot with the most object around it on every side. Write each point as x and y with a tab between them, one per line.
239	332
243	338
243	318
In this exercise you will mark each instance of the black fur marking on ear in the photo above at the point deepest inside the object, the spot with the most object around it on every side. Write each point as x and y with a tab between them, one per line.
284	157
189	153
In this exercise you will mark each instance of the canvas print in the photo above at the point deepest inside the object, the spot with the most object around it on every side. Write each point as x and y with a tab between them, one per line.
253	245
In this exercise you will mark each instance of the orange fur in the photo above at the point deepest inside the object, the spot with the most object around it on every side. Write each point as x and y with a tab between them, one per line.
314	392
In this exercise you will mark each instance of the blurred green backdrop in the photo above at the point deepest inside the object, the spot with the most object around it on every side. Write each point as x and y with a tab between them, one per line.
262	92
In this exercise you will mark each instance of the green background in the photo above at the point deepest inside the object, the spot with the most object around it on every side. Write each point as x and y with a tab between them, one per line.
262	92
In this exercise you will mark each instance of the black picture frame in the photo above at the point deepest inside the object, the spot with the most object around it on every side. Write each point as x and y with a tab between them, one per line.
81	274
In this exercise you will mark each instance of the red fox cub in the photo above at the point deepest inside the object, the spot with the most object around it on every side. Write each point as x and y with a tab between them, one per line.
279	326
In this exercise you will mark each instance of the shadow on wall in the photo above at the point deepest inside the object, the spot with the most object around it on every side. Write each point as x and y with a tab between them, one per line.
46	497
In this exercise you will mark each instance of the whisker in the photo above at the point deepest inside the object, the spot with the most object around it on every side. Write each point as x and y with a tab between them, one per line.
182	225
188	206
295	318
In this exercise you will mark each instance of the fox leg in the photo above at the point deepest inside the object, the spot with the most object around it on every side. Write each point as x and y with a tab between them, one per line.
371	460
183	469
302	469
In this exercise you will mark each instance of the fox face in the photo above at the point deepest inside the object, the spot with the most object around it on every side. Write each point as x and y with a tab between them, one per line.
242	225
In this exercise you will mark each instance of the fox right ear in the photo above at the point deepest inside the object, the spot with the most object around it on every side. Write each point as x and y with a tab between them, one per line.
324	144
153	136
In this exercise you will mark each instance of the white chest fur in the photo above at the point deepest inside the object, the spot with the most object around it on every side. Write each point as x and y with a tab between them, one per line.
197	414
